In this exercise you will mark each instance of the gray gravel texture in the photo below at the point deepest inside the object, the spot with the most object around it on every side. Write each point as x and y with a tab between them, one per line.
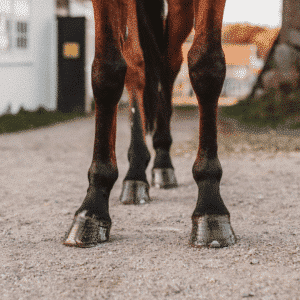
43	179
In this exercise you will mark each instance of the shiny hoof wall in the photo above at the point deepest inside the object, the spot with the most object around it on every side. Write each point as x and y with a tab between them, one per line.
87	232
135	192
213	231
164	178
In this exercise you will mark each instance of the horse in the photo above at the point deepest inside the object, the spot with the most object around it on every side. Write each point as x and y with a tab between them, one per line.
138	46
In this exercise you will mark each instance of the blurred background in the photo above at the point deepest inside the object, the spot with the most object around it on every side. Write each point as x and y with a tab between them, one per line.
47	48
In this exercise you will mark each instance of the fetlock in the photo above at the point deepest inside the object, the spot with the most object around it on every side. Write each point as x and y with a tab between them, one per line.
162	159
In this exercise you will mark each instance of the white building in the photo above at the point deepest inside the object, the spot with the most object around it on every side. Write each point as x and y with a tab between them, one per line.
27	54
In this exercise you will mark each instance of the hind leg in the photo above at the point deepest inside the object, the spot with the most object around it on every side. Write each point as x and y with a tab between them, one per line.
211	220
92	221
135	185
178	26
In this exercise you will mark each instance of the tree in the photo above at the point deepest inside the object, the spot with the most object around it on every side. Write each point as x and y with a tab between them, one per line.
275	97
281	70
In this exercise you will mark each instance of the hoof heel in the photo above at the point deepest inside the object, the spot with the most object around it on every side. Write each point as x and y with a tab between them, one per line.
164	178
212	231
135	192
87	232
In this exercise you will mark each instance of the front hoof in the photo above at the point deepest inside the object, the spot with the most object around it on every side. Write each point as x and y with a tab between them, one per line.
212	231
164	178
135	192
87	232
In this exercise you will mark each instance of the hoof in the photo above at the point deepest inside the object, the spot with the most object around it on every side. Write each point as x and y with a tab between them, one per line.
87	232
213	231
164	178
135	192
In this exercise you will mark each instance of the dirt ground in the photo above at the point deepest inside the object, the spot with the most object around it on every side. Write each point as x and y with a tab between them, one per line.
43	179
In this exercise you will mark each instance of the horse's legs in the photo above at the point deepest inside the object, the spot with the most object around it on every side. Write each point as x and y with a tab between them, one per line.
135	185
92	222
178	26
206	61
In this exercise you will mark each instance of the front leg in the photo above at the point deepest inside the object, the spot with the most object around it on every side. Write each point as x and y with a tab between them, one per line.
92	222
211	219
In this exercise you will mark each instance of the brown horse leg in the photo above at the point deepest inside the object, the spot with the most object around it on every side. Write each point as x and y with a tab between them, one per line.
92	222
210	219
135	185
180	12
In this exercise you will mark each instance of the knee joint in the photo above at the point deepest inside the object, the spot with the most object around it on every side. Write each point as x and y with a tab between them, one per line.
102	175
207	168
207	71
108	78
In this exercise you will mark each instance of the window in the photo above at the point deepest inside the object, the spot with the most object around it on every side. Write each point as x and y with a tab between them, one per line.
21	13
22	35
14	24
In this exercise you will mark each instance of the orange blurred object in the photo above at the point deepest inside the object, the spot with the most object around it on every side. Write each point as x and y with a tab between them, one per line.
262	37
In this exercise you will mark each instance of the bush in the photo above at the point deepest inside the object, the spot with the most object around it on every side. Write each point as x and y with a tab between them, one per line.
267	110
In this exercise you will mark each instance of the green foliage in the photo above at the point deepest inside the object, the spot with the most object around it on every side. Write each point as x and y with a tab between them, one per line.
271	109
25	120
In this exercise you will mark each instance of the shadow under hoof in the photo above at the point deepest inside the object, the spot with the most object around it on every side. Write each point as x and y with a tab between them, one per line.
87	232
213	231
135	192
164	178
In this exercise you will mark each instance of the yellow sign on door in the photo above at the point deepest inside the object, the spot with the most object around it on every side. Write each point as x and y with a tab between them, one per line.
71	50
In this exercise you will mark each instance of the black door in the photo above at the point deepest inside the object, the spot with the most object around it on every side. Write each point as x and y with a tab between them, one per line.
71	64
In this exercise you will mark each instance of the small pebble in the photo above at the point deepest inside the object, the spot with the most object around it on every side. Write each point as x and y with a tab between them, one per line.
248	295
254	262
215	244
251	252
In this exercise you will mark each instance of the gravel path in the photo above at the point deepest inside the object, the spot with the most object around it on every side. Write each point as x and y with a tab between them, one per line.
43	179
